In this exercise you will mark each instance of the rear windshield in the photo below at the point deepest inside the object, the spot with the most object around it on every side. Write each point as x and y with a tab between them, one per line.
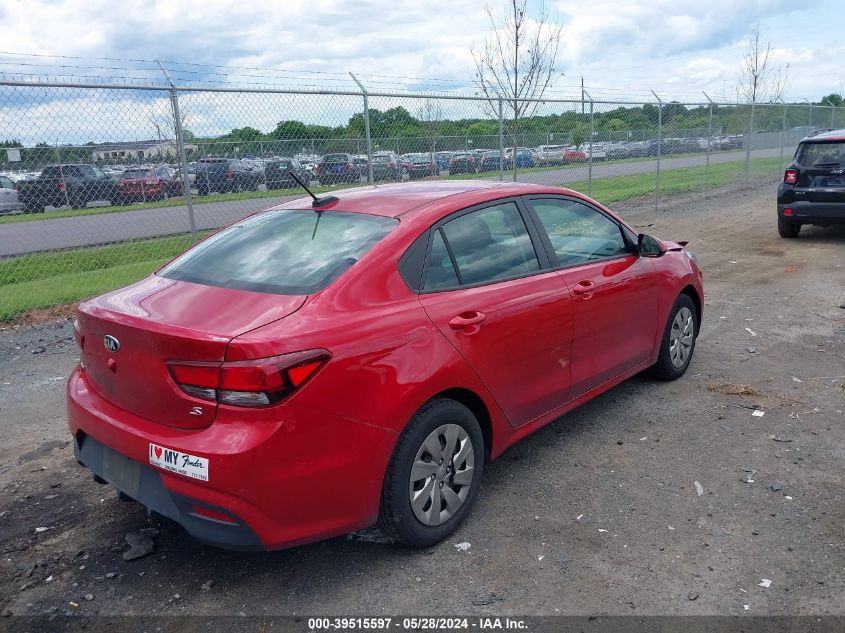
54	171
136	173
335	158
282	164
288	252
381	159
821	154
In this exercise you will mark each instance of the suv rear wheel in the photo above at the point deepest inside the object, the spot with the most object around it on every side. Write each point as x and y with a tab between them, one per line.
788	229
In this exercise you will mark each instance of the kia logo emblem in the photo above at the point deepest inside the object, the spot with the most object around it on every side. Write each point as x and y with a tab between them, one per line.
111	343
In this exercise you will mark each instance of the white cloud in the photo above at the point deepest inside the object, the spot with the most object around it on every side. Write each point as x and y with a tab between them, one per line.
623	48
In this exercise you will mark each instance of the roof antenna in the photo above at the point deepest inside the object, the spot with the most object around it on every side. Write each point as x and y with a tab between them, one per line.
318	202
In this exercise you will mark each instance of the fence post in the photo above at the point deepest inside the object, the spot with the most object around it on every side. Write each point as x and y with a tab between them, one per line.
709	138
748	145
367	129
501	140
590	160
180	145
143	188
659	143
783	135
810	122
832	111
263	163
61	172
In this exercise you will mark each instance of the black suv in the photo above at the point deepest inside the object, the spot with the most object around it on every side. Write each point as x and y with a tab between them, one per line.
74	184
224	175
813	187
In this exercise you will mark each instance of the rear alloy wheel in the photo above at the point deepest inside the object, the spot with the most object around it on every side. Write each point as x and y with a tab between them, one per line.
678	342
434	474
788	229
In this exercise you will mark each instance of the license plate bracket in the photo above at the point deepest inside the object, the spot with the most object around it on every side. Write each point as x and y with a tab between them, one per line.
121	472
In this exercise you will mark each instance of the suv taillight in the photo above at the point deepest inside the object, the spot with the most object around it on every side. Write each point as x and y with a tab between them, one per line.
230	173
250	383
61	185
790	176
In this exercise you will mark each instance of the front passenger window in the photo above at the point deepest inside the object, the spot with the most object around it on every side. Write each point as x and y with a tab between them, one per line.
578	233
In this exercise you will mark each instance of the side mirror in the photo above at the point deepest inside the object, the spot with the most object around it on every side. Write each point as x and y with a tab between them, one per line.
648	246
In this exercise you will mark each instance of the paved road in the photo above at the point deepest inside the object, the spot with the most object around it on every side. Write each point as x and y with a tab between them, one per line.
86	230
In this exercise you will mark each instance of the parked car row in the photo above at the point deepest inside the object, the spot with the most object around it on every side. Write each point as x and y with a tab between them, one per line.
77	185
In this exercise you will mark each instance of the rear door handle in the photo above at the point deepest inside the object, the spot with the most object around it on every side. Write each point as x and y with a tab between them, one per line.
584	287
467	319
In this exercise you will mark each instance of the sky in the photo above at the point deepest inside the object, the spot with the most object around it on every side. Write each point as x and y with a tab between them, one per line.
622	48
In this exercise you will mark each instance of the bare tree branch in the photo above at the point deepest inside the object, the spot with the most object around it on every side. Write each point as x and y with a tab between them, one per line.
760	79
517	62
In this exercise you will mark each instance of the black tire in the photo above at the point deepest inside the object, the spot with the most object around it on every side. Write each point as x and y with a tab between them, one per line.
396	517
788	229
665	368
31	207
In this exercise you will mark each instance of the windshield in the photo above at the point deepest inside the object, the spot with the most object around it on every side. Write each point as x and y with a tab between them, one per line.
382	159
335	158
281	252
826	154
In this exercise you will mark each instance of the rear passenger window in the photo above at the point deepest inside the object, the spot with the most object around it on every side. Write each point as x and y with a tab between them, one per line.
579	233
439	271
490	244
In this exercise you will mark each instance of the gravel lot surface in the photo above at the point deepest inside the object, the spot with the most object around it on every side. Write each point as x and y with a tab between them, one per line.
641	502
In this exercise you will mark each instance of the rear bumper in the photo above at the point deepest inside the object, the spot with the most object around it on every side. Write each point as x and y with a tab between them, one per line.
813	212
152	493
301	477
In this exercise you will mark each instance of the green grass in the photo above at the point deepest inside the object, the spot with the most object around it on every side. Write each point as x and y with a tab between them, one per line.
676	181
54	278
43	280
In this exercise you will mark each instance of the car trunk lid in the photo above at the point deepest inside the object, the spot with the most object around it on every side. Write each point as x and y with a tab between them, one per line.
821	169
131	334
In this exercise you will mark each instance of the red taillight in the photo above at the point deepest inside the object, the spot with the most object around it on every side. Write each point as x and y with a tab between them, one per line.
61	185
249	383
790	176
787	212
349	167
317	169
230	174
452	162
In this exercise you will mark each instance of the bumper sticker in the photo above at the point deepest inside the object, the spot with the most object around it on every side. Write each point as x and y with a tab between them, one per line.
179	463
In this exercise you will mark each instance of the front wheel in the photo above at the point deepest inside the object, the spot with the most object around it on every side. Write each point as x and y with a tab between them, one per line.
434	474
678	342
788	229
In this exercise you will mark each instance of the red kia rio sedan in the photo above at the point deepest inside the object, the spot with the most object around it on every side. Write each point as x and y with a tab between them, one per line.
320	367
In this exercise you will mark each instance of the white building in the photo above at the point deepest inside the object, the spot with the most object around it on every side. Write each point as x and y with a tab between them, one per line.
139	150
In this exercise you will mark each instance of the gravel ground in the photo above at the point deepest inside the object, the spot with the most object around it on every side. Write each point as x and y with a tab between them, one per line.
637	503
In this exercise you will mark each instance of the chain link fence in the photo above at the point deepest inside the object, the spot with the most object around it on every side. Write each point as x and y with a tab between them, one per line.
102	184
